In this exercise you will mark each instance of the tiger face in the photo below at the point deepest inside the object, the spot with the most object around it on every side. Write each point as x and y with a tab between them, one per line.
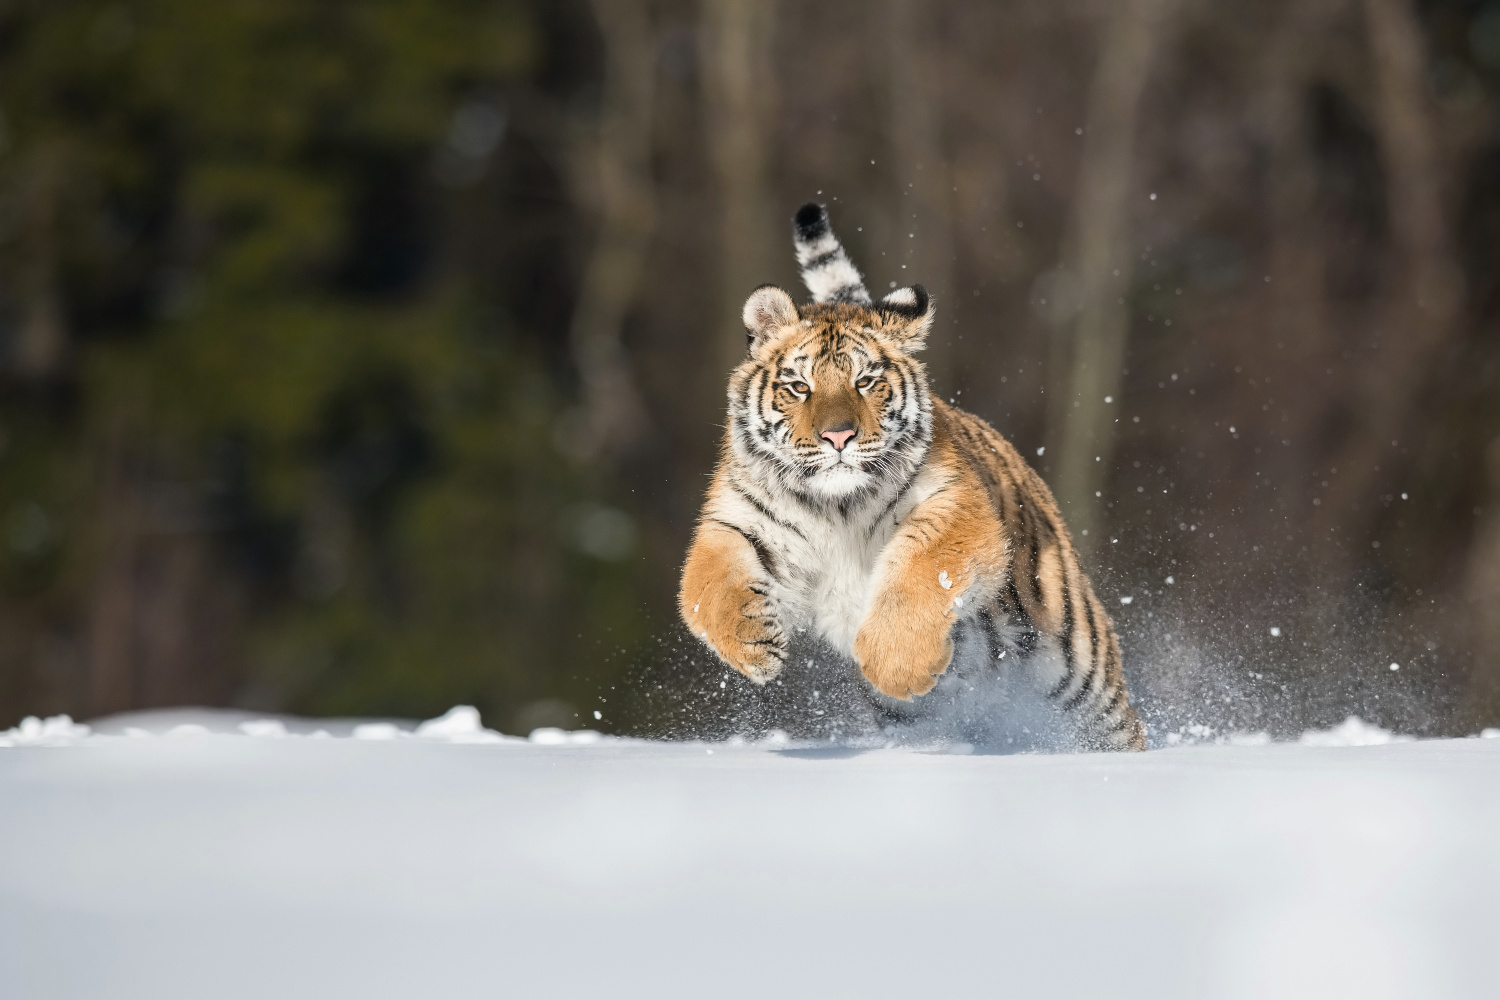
830	399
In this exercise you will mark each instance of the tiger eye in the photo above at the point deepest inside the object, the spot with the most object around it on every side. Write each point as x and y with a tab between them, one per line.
864	383
799	387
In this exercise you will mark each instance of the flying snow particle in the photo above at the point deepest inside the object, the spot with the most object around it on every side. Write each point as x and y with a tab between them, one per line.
1171	580
1126	600
597	715
1153	195
946	583
1395	666
1041	450
1109	399
1275	632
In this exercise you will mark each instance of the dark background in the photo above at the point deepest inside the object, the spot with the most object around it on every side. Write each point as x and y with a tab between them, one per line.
368	357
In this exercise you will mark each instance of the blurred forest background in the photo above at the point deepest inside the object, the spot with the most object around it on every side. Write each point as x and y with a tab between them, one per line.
368	357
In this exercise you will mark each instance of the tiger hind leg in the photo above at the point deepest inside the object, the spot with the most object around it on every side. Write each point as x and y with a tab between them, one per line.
1087	691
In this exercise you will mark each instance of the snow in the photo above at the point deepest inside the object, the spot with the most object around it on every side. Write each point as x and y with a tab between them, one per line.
1352	732
270	729
232	856
58	730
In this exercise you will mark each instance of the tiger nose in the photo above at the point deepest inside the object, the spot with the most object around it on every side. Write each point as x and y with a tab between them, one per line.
840	436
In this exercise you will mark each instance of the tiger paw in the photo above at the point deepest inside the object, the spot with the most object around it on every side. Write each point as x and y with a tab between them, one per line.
743	628
901	661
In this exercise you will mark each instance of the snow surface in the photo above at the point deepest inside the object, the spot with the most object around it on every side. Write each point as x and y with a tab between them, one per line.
229	856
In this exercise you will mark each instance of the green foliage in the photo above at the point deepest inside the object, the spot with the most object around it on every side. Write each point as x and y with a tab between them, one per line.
368	464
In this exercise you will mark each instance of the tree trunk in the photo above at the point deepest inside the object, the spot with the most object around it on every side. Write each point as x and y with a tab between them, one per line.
1427	289
41	345
925	185
1100	260
1482	590
739	88
618	165
112	684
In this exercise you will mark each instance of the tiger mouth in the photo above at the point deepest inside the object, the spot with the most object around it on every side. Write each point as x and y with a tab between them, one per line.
844	464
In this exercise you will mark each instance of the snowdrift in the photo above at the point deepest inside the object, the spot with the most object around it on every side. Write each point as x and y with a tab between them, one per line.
228	857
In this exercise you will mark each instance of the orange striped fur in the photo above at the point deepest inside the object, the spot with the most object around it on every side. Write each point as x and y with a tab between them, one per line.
848	500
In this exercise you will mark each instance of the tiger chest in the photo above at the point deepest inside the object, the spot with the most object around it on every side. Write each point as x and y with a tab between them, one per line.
829	580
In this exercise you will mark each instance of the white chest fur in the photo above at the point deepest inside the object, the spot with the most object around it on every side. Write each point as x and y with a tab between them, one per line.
829	579
827	566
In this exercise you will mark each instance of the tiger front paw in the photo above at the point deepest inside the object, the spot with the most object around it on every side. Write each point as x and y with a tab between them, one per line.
902	661
743	628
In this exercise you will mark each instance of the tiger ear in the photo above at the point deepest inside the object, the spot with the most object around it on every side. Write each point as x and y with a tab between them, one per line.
909	314
767	310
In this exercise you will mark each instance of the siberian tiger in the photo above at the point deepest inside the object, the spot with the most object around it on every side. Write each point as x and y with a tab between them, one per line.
851	502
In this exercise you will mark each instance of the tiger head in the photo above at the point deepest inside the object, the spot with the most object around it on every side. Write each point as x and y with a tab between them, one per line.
830	401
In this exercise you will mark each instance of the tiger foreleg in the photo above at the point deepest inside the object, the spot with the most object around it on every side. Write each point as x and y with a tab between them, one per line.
934	571
726	602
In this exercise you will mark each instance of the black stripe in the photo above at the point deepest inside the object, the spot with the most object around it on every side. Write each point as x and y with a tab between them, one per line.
1036	571
752	395
1092	604
894	500
766	394
767	560
766	511
1028	640
900	394
822	260
1065	636
991	634
1082	692
1113	704
927	522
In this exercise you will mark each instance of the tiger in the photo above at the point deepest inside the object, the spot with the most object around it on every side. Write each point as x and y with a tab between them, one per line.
850	501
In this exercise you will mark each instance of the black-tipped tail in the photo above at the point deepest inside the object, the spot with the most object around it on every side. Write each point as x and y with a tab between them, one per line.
826	269
811	221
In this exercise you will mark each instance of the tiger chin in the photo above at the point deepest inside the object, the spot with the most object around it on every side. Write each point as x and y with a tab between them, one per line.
852	503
